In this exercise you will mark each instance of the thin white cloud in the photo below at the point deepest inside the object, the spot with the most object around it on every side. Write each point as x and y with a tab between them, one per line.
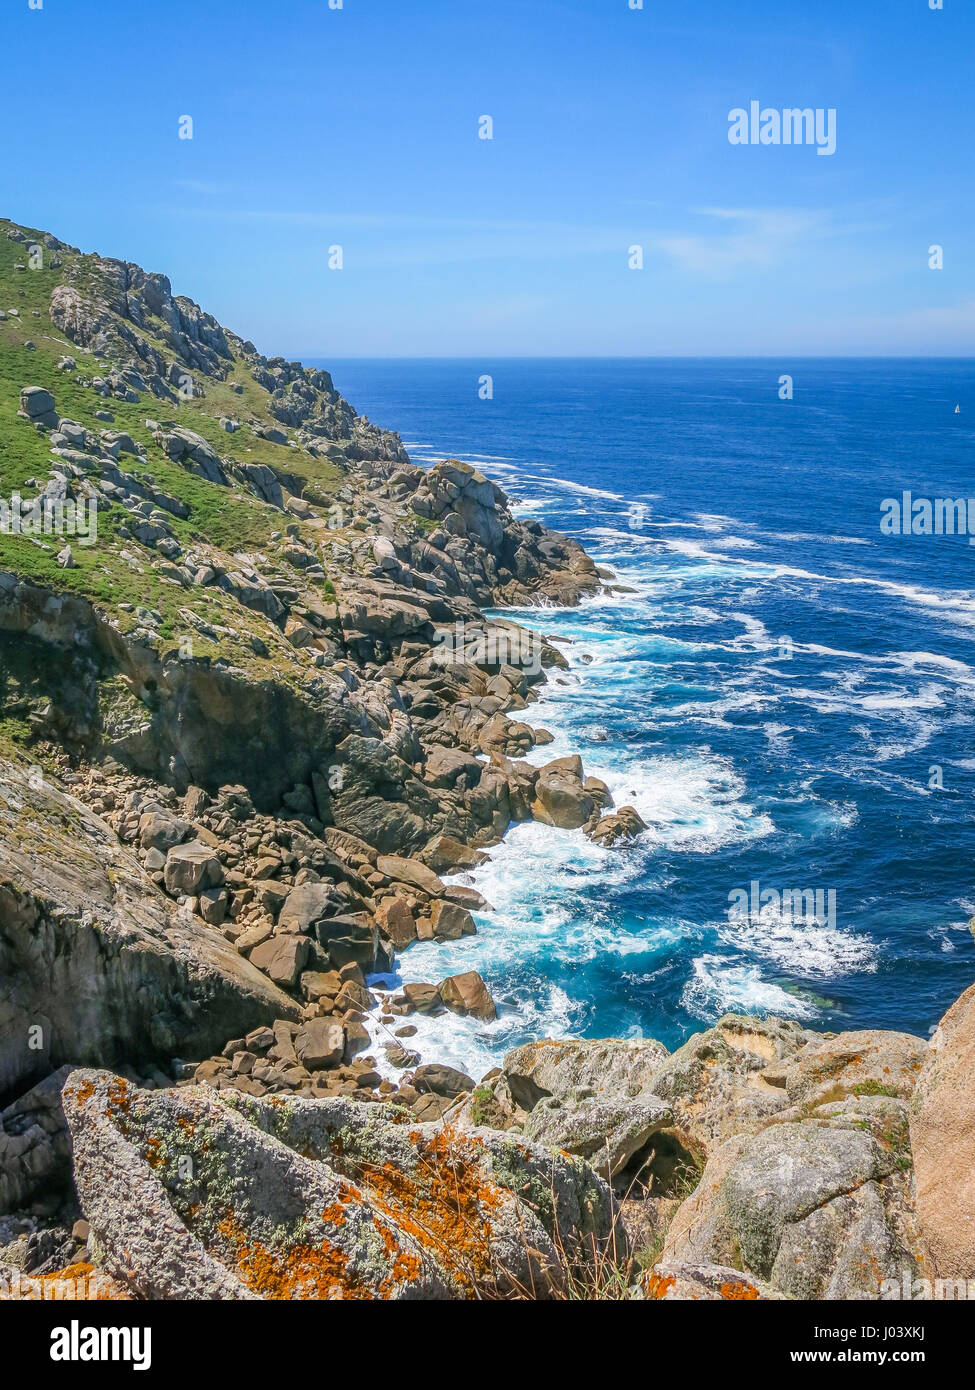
756	237
733	239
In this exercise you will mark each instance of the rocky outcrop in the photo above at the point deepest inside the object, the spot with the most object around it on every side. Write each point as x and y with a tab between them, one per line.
607	1133
119	311
610	1068
757	1147
717	1081
191	1195
942	1138
95	964
561	799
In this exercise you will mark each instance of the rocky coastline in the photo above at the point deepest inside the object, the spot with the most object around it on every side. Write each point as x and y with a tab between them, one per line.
248	738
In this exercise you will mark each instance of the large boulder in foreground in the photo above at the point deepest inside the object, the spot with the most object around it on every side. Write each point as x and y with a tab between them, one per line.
758	1147
96	965
943	1142
818	1208
196	1194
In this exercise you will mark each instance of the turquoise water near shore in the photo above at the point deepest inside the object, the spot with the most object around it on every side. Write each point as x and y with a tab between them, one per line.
785	694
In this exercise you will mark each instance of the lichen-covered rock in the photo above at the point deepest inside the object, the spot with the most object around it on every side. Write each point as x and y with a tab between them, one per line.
871	1061
943	1141
716	1082
669	1283
818	1209
194	1194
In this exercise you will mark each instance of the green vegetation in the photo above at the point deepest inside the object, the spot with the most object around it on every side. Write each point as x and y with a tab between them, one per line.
873	1088
116	573
482	1105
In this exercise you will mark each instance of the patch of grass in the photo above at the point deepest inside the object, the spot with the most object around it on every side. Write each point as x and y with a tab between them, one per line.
482	1102
874	1088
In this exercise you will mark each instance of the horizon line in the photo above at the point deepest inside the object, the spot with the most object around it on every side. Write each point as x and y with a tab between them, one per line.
636	357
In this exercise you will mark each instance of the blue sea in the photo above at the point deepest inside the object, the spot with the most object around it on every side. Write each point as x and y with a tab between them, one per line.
784	693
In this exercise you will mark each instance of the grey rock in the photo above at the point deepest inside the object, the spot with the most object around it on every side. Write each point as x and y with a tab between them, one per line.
95	957
248	1199
606	1068
818	1210
608	1133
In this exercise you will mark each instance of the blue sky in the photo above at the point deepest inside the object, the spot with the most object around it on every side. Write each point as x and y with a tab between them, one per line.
357	127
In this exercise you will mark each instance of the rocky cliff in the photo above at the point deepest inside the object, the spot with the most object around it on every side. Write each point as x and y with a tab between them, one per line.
253	720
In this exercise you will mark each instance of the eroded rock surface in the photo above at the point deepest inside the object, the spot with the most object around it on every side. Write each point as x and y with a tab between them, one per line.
943	1141
194	1195
95	963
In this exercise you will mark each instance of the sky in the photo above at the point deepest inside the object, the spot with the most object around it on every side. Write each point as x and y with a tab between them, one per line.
358	127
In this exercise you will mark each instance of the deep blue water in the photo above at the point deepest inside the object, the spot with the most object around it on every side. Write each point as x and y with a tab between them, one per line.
775	696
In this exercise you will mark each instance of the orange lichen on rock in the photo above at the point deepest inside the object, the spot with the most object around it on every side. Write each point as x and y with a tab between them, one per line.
656	1285
443	1204
303	1271
119	1102
79	1282
84	1094
313	1272
744	1293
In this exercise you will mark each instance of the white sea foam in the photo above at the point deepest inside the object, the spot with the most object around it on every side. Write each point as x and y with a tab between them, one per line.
813	538
696	803
956	604
542	884
720	986
591	491
475	1046
797	946
779	735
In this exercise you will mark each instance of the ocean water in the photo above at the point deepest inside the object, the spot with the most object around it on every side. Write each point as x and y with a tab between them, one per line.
784	693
